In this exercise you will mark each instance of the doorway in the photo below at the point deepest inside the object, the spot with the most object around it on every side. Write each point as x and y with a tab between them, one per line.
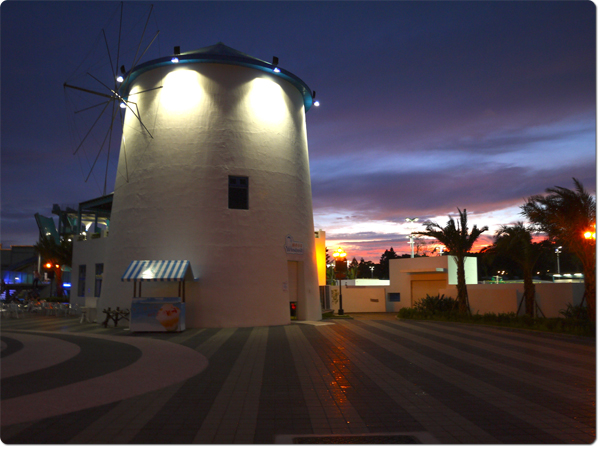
293	287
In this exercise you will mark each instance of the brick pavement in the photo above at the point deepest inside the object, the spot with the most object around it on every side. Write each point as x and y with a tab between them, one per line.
369	380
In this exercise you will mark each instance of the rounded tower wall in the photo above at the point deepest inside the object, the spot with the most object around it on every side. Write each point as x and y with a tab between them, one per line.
210	122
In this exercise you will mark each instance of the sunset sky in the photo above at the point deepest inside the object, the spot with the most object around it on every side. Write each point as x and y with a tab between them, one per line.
426	107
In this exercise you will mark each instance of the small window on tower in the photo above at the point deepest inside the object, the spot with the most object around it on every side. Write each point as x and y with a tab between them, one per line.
238	192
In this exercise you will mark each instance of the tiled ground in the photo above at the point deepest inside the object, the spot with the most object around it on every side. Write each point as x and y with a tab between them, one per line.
374	378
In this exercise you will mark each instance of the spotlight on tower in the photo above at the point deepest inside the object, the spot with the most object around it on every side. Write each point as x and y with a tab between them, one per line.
176	51
276	63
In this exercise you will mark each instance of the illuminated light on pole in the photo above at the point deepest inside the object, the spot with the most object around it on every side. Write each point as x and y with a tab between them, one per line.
558	252
411	241
340	273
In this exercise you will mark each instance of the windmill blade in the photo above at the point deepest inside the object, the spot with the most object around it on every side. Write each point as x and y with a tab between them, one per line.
124	146
141	39
108	150
126	103
146	90
107	136
119	40
91	107
137	116
97	156
89	91
116	94
144	52
112	69
91	128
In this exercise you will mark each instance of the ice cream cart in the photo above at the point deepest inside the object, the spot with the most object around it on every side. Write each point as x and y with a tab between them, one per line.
157	313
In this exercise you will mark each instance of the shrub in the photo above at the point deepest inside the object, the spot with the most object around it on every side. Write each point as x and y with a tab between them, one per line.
570	324
434	304
574	312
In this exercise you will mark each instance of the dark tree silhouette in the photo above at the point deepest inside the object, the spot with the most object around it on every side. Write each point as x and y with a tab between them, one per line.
565	215
516	243
457	239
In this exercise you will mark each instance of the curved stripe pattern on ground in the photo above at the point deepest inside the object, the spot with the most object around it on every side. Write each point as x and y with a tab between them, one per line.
9	346
368	380
87	359
142	365
31	353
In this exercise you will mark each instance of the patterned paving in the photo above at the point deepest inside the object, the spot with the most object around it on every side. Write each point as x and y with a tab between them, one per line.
369	380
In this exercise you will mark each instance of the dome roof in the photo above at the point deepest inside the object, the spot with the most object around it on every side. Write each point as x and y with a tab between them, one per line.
220	54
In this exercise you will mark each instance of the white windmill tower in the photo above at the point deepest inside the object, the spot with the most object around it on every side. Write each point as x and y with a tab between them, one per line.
213	169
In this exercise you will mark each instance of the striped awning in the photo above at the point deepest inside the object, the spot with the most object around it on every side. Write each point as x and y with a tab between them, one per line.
157	270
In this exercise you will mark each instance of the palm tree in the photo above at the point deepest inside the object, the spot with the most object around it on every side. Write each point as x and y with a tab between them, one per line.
456	238
58	255
515	242
565	215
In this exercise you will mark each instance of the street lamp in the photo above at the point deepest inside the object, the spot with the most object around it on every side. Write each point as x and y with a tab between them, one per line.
372	269
340	273
590	234
50	273
558	252
412	242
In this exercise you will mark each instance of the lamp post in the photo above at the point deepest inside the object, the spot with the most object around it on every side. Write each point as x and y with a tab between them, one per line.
372	269
558	252
412	242
340	273
50	272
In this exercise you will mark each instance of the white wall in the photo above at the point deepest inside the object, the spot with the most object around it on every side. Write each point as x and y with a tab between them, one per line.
470	270
505	298
360	299
406	271
365	282
89	253
485	298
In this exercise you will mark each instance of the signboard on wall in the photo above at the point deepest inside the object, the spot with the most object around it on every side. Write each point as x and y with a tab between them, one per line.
293	247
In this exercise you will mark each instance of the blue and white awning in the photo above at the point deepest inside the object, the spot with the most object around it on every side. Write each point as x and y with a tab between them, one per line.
157	270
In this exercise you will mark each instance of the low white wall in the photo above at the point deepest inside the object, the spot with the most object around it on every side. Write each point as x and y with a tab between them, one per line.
405	271
489	298
552	297
365	282
505	298
360	299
